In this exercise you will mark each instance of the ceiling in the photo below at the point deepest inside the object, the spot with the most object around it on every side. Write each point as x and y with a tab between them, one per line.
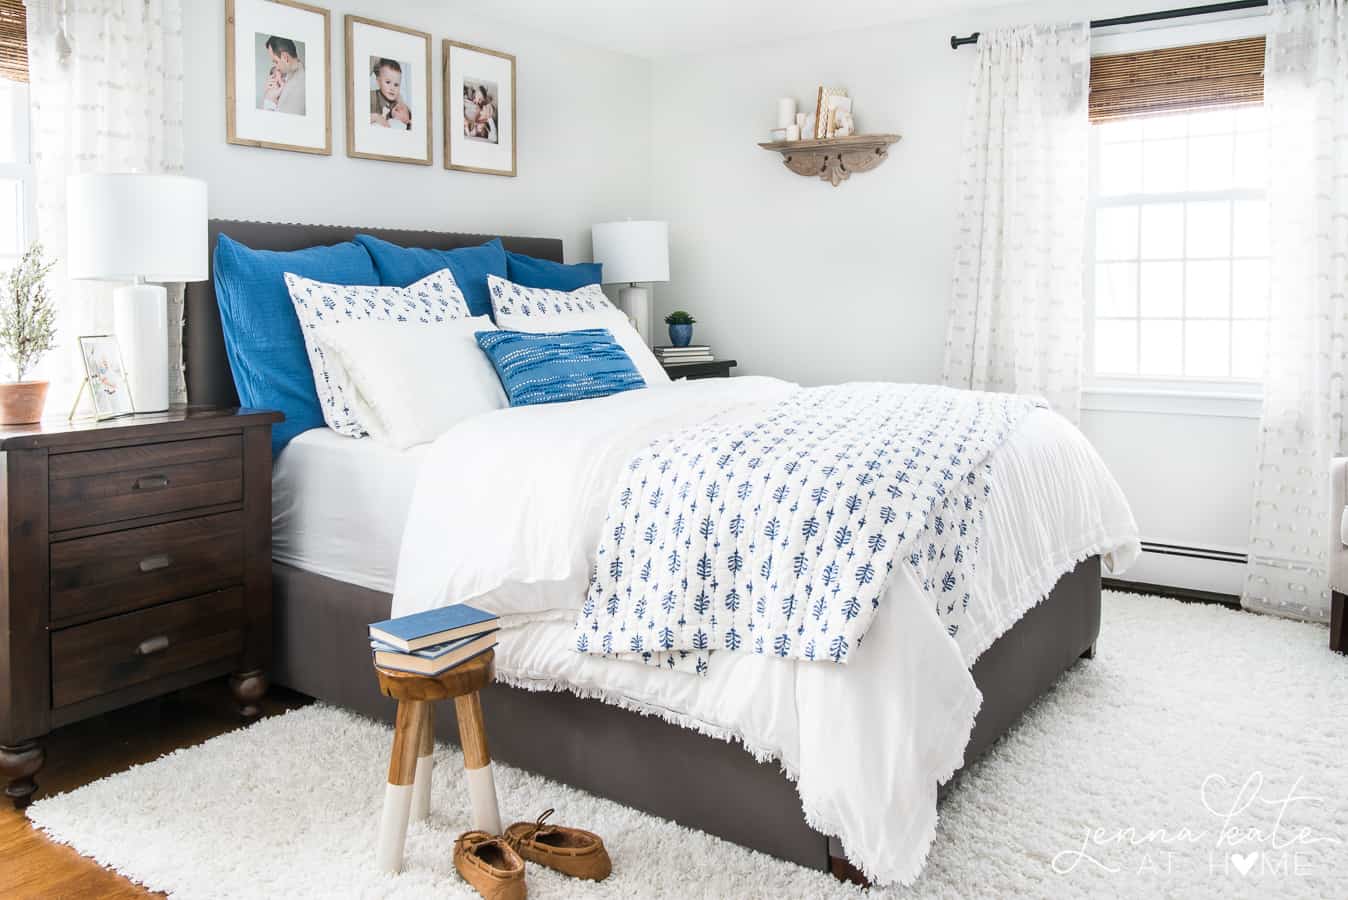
663	28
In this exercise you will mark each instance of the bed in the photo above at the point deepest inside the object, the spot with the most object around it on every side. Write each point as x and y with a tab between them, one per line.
335	561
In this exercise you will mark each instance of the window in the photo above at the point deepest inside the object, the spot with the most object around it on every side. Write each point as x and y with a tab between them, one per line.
16	174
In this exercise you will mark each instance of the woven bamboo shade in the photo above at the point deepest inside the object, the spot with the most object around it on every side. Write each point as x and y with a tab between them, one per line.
13	41
1177	79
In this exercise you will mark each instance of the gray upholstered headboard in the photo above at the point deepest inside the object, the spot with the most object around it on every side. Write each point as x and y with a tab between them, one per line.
208	376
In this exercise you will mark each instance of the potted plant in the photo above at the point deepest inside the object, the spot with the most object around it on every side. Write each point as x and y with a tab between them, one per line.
27	330
680	327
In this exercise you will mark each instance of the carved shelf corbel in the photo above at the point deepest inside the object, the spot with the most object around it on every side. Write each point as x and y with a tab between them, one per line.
834	159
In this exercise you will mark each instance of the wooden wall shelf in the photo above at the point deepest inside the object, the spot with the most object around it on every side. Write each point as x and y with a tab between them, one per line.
834	159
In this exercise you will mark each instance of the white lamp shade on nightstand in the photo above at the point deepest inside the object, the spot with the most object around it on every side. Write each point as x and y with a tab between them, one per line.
632	252
138	228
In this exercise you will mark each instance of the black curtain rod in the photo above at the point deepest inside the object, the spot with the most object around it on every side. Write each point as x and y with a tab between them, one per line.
1139	18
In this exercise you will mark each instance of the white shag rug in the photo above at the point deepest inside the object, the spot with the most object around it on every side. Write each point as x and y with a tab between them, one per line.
1200	754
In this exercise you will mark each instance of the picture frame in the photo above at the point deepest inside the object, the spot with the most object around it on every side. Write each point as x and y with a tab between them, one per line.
479	96
278	56
104	377
388	92
821	109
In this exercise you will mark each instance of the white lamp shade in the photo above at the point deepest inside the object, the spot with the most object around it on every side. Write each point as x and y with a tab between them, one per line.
632	252
127	226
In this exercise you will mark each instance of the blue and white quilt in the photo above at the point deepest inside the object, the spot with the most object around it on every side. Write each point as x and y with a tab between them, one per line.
777	535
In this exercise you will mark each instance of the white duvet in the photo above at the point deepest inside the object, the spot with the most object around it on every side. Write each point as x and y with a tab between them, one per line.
506	515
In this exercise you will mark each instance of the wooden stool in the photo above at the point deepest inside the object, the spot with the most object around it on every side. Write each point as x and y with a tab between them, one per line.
409	768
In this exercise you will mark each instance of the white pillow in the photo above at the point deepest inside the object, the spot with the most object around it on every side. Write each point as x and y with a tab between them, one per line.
435	298
409	382
540	310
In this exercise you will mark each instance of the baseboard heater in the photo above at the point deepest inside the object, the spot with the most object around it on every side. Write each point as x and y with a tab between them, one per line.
1194	574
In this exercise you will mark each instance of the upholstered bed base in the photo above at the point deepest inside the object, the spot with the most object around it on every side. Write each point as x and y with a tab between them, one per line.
322	650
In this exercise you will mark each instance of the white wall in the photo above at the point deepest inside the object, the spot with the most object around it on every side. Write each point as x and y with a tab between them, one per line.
584	143
795	278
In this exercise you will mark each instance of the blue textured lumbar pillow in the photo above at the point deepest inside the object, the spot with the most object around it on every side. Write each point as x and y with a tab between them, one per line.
561	366
262	333
544	273
401	266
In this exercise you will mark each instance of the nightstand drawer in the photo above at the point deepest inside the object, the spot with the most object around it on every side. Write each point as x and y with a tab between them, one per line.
126	570
125	650
93	487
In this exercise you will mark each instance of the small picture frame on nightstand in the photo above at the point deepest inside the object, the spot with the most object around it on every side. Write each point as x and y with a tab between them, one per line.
104	378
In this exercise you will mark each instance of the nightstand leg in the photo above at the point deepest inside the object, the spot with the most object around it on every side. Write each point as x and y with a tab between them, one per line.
421	787
248	689
19	764
477	764
402	767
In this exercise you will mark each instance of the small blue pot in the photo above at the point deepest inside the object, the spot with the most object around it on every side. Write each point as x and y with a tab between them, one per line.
680	335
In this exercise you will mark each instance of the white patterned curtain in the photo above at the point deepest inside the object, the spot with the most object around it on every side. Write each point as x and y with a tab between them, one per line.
106	96
1302	427
1016	322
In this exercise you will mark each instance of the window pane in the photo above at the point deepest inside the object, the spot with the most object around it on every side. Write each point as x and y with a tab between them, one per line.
1210	160
1249	288
11	96
1116	289
1160	348
1207	289
1163	166
1247	349
1208	229
1122	130
1163	231
11	216
1162	289
1217	121
1251	228
1116	347
1250	118
1207	349
1120	169
1251	165
1116	233
1165	127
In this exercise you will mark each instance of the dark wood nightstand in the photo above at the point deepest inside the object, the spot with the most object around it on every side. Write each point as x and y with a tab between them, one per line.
136	560
719	368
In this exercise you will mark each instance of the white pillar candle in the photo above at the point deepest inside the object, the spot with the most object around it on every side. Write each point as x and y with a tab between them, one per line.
786	111
793	132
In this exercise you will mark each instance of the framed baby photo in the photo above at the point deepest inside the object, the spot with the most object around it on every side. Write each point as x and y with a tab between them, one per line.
388	92
277	63
479	109
105	376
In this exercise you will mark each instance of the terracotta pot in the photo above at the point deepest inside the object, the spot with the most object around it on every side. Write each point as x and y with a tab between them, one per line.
21	402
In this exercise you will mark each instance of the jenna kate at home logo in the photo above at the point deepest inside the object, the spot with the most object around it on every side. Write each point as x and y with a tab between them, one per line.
1251	829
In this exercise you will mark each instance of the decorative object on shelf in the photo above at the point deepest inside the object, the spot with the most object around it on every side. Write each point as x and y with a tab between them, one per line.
800	123
680	327
821	109
104	377
272	48
479	109
786	111
838	108
388	92
138	228
27	331
632	253
793	132
778	134
834	160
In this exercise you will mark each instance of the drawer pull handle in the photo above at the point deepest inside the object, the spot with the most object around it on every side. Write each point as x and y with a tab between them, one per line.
151	646
156	562
151	483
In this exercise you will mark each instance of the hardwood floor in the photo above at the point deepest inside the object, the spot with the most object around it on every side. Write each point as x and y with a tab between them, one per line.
33	866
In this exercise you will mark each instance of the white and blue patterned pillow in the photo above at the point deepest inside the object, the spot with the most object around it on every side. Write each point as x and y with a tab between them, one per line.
435	298
516	307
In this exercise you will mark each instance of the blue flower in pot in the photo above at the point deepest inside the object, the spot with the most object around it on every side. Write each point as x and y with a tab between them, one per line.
680	327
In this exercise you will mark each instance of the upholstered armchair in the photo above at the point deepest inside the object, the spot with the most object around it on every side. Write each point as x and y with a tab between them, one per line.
1338	554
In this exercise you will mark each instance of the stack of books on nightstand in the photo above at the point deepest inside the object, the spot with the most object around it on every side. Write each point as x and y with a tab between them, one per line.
435	641
680	356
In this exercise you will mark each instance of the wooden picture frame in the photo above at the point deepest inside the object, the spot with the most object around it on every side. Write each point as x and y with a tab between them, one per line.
365	140
301	131
821	110
478	66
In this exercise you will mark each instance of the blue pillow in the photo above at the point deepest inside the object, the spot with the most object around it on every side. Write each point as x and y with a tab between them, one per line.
544	273
557	367
262	333
400	266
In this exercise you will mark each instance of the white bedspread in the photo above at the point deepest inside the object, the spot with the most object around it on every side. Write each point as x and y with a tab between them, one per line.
518	496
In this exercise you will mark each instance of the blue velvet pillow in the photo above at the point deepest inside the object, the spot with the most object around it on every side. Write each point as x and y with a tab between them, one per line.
557	367
544	273
262	333
400	266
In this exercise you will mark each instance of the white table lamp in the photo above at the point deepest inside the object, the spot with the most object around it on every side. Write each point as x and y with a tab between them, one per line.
633	252
138	229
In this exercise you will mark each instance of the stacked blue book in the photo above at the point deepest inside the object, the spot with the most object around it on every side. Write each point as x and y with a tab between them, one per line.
434	641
